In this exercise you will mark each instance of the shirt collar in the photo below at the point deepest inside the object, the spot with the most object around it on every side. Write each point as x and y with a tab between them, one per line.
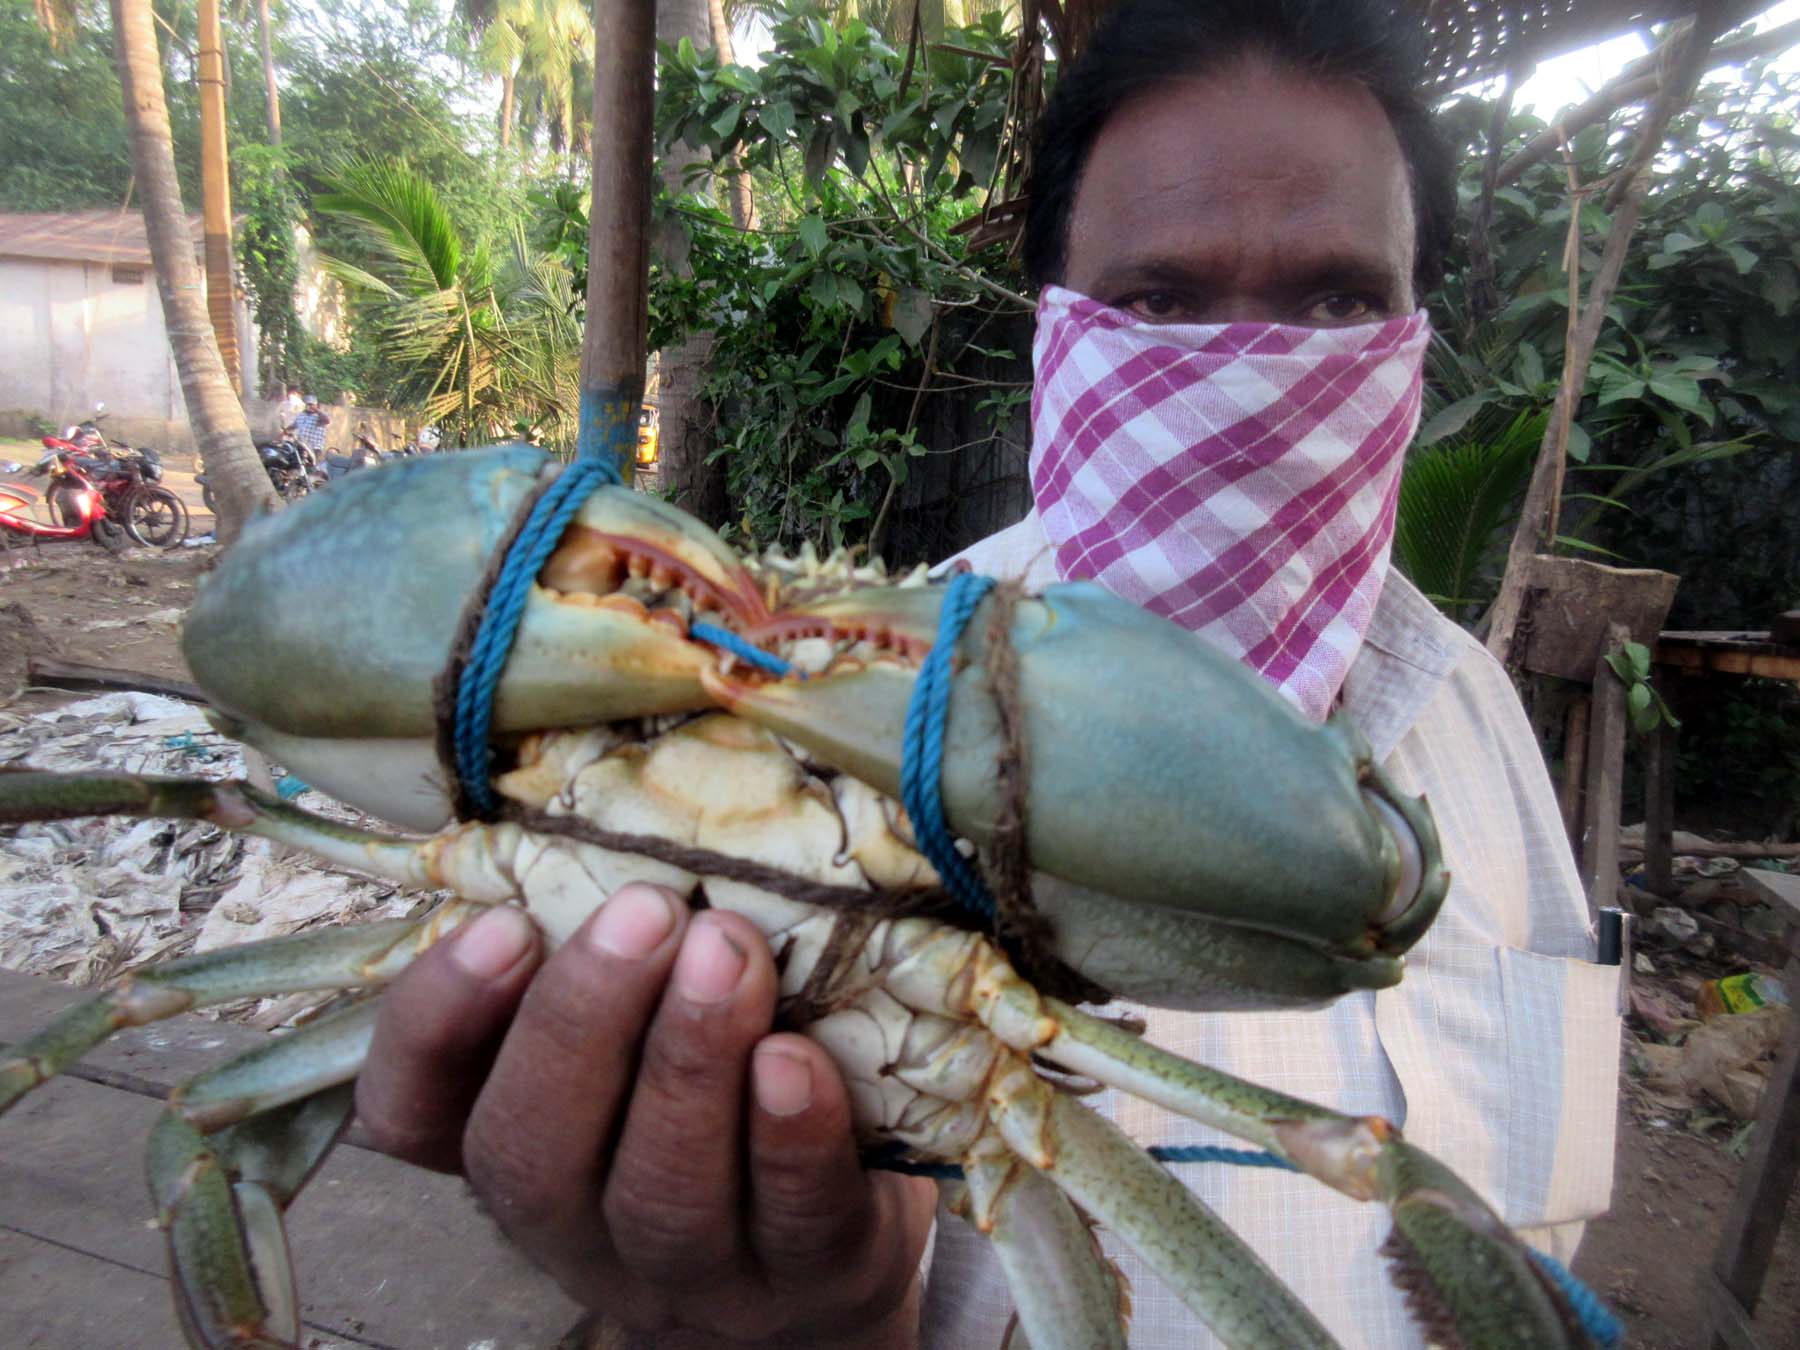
1406	654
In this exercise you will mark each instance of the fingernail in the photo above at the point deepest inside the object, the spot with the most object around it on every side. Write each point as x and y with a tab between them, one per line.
709	965
783	1082
493	944
633	923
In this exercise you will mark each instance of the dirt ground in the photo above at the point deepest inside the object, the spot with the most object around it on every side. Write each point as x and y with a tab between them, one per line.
1676	1171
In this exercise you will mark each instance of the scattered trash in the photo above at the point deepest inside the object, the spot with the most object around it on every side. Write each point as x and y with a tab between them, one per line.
1742	993
1675	924
1718	1059
198	540
1642	964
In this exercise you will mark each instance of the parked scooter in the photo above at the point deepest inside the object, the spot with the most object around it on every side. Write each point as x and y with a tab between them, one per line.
71	507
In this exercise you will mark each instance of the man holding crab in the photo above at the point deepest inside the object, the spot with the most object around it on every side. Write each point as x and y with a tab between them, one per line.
1236	208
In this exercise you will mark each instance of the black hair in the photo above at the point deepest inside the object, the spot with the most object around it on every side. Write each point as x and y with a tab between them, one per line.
1145	44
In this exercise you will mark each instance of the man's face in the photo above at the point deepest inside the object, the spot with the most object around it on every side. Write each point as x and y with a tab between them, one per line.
1249	195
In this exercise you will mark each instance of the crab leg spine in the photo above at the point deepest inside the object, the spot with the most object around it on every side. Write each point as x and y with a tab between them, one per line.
338	958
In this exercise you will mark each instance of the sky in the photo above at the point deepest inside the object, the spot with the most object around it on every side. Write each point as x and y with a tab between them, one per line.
1567	80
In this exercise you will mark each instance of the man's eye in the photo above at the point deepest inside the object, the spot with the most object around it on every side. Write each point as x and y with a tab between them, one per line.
1156	306
1344	307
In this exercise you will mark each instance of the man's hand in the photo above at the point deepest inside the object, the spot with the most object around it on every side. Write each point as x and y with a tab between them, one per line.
632	1124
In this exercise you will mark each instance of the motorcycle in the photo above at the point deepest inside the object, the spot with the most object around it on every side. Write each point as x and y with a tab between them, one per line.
153	515
130	479
72	507
292	468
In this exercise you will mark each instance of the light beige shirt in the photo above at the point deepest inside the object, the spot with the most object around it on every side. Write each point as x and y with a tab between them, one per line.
1498	1053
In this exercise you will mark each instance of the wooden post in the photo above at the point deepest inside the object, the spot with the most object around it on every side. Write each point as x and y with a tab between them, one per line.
612	346
1569	795
1605	780
215	192
1659	811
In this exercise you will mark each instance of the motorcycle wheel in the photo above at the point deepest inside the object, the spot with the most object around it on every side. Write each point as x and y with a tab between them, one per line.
294	487
110	536
155	517
207	499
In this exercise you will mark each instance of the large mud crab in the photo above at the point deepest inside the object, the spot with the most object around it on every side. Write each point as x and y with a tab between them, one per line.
632	751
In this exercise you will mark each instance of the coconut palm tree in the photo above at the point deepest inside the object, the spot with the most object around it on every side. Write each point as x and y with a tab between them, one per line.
479	347
536	48
221	434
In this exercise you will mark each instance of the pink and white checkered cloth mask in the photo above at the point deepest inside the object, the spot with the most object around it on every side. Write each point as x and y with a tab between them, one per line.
1237	478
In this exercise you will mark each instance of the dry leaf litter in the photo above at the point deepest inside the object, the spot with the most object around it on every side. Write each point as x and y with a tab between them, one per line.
86	900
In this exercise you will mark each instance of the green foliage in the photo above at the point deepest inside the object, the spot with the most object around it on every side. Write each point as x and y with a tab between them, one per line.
265	199
1700	352
1631	663
62	131
1459	499
1739	755
837	326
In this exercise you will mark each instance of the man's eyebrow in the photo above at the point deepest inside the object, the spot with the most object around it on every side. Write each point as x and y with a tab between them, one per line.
1334	270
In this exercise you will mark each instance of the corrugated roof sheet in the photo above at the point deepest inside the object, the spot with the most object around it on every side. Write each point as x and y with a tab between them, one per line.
106	236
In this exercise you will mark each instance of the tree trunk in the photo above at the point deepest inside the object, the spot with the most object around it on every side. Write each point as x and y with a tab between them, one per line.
215	191
268	63
739	188
217	418
506	110
687	423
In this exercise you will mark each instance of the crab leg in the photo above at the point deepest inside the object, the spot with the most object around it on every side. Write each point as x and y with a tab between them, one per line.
1210	1268
335	958
1062	1290
219	1201
321	1055
1462	1268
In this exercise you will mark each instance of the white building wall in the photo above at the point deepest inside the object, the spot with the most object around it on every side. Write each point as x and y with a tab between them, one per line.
72	336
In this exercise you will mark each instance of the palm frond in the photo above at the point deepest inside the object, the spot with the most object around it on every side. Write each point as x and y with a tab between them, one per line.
401	217
1455	499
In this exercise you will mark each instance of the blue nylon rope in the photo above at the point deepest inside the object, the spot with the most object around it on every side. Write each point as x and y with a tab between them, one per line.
891	1161
922	750
725	639
1596	1318
550	515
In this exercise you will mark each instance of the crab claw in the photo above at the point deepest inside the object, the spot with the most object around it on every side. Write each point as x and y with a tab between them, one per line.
1160	770
323	632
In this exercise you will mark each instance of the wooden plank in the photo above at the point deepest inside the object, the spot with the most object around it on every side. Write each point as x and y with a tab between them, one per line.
1728	653
1659	811
1780	889
1731	1325
1572	604
42	670
1605	780
386	1254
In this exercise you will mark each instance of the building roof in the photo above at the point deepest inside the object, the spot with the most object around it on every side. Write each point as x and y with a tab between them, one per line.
104	236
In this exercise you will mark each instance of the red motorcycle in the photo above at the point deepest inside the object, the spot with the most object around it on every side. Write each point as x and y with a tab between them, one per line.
71	507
